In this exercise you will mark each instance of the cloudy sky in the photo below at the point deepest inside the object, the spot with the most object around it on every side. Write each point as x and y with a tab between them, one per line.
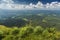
30	4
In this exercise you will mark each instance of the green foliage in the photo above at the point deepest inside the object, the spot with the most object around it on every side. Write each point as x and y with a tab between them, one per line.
39	19
28	33
38	30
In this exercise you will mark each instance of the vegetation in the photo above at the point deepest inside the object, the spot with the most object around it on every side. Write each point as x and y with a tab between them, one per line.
28	33
41	19
30	25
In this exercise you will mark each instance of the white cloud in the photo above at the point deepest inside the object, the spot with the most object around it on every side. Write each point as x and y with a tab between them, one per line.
39	5
9	4
7	1
53	5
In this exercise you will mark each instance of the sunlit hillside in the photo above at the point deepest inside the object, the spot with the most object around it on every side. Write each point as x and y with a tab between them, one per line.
28	33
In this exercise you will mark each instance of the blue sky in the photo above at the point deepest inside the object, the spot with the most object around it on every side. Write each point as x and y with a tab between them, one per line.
34	1
30	4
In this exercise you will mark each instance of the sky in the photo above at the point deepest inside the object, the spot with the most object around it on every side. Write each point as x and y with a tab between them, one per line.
35	1
30	4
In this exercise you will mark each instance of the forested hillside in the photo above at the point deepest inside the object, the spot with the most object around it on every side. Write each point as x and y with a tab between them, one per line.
39	19
30	25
